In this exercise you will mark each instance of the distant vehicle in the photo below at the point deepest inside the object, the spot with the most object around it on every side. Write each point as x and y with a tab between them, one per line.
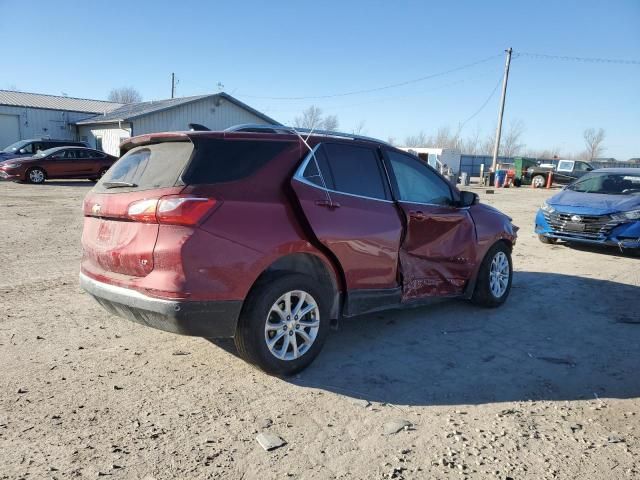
564	172
59	162
602	208
27	148
267	236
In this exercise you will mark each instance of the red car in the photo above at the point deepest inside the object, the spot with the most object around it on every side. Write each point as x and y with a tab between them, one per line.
268	237
58	162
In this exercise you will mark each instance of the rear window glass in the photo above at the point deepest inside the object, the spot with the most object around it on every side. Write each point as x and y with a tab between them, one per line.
147	167
218	161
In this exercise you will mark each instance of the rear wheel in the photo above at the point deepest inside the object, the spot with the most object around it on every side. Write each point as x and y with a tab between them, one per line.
547	240
494	277
283	324
539	181
36	175
100	175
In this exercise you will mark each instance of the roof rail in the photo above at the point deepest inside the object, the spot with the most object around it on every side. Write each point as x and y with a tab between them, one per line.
258	128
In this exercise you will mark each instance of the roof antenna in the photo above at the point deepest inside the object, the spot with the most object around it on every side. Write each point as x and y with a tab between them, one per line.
313	155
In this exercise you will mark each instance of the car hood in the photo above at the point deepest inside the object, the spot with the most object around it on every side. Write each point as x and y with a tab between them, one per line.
7	156
593	203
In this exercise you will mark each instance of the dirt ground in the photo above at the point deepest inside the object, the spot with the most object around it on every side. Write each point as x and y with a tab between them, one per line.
548	386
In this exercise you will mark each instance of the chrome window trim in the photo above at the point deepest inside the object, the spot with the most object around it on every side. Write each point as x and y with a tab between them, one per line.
300	178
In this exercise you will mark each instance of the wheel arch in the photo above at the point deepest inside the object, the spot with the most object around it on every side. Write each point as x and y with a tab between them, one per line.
313	265
33	167
471	285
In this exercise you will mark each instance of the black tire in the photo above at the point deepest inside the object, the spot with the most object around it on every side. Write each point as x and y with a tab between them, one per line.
540	181
483	294
251	335
100	175
547	240
36	175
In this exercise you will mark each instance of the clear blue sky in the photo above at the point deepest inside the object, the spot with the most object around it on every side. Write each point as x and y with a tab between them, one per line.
288	49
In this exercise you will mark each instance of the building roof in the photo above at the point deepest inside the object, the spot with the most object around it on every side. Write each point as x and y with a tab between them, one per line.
55	102
134	110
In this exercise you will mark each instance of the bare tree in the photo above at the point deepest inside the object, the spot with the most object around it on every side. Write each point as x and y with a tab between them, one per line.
593	141
391	140
13	87
511	142
471	145
312	119
419	140
359	129
330	122
125	95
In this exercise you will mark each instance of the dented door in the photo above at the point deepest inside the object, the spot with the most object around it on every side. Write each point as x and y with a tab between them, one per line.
438	250
437	256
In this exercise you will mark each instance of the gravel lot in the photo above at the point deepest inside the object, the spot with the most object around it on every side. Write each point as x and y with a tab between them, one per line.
547	386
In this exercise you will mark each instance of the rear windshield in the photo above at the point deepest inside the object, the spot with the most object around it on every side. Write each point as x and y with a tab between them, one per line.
147	167
218	161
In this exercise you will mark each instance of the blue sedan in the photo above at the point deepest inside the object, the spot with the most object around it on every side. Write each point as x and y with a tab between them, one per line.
602	208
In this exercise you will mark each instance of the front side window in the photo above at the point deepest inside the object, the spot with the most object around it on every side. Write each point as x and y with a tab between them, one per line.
27	148
418	183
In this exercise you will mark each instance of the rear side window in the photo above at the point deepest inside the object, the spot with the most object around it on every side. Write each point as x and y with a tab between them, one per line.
147	167
218	161
349	169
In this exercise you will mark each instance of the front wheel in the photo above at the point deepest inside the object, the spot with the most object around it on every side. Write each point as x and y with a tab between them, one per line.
539	181
283	324
36	175
494	277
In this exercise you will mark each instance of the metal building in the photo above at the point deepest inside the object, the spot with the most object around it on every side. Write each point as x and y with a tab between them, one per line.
216	112
103	125
32	115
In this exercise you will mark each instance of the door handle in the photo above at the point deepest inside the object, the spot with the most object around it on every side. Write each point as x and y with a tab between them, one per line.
328	204
417	214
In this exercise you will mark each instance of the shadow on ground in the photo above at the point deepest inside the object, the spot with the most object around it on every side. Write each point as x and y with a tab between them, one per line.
601	249
66	183
558	337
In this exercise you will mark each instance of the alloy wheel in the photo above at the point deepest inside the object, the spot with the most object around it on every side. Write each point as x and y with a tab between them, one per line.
292	325
499	274
36	176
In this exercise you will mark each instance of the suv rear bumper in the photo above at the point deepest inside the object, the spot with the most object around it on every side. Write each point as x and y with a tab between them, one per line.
212	319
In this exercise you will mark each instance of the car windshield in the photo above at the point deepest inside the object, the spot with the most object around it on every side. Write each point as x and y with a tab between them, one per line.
14	147
608	184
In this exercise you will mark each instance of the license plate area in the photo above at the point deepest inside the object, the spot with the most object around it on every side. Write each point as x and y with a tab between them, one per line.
574	227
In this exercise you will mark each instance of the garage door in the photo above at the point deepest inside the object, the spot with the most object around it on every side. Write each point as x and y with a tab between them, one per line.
9	129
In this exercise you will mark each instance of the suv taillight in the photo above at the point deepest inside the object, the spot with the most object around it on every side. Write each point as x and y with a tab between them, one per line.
171	209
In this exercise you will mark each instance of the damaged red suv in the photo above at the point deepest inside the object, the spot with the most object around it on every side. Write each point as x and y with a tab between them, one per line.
260	234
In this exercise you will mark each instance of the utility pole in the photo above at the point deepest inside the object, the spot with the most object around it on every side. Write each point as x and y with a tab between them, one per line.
173	85
496	147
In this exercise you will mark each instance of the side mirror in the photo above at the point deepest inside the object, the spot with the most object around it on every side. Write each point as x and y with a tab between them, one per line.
468	198
589	169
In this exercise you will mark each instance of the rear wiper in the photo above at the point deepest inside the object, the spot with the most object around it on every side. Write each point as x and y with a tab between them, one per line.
118	184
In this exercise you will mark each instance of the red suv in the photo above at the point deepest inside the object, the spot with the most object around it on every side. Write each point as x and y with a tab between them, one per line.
266	236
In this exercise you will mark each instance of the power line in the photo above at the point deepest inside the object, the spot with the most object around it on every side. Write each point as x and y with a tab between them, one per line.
578	59
477	112
377	89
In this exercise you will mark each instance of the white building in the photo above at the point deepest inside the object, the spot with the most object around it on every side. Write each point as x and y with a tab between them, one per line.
442	159
103	125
